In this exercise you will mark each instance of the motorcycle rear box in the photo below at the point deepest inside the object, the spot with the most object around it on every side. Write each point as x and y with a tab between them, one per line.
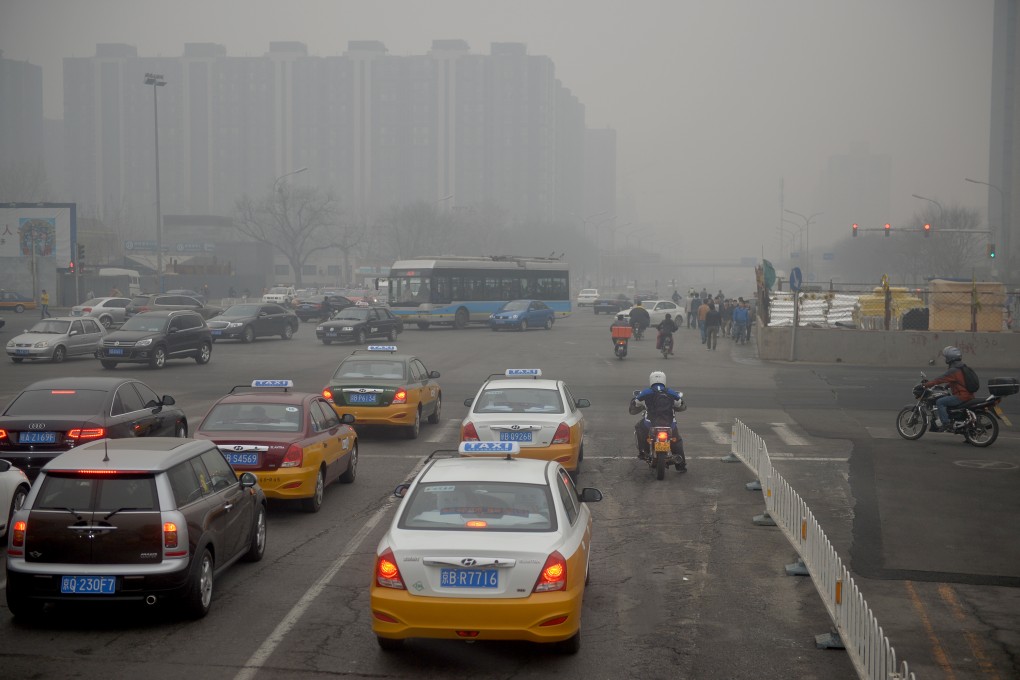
1003	387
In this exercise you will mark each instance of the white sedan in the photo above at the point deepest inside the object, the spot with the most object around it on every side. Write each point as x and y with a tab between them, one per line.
109	310
657	310
488	547
541	415
14	487
587	296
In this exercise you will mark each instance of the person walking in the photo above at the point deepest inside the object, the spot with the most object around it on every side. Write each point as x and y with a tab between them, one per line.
44	305
713	320
702	312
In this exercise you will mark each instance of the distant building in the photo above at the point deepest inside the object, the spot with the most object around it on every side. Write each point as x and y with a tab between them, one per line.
1003	151
21	133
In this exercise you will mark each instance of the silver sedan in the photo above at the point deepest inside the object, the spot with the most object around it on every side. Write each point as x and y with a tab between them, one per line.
109	310
57	338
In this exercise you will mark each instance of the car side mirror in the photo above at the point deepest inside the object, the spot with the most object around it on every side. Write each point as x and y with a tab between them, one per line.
347	418
589	495
261	314
248	480
167	400
401	490
468	401
582	403
73	333
433	374
5	465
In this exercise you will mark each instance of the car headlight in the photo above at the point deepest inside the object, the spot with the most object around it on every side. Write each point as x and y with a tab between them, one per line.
144	343
234	324
347	329
41	344
10	343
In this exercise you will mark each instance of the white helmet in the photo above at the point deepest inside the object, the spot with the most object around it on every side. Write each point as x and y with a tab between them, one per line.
656	377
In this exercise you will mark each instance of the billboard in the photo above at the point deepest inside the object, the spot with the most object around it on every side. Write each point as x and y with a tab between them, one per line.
36	239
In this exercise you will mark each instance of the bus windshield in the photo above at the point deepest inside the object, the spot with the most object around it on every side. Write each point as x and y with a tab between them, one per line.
414	289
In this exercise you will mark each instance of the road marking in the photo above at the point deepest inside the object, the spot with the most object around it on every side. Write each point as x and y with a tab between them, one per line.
720	433
948	596
269	645
938	652
784	432
441	433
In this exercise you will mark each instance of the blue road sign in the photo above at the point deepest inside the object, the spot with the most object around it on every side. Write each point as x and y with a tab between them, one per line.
796	278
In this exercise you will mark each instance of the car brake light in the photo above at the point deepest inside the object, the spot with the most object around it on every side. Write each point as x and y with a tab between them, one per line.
84	433
18	538
327	394
169	535
63	392
3	434
469	433
293	457
562	435
400	397
86	309
387	574
553	576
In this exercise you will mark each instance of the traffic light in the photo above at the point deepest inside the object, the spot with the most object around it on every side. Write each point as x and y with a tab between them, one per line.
81	252
888	229
855	231
70	267
991	250
927	230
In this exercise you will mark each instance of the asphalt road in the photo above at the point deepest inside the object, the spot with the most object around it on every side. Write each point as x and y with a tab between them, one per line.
684	585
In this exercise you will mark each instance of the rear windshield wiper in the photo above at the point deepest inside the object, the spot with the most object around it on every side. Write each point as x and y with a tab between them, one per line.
120	510
70	510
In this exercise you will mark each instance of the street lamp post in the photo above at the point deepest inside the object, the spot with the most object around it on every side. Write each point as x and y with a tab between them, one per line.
157	80
942	224
277	181
807	240
1004	228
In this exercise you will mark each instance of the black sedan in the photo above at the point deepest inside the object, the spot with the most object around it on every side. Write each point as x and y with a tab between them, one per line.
248	321
358	324
52	416
611	305
320	307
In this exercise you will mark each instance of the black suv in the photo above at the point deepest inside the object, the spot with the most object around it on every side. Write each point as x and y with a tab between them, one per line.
133	520
151	302
153	337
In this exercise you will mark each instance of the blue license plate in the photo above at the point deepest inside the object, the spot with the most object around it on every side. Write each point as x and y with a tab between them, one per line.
38	438
115	352
88	585
243	458
515	436
21	351
217	332
468	578
332	331
361	398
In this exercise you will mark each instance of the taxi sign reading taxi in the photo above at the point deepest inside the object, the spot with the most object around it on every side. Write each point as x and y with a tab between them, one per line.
382	348
796	279
499	448
513	372
272	383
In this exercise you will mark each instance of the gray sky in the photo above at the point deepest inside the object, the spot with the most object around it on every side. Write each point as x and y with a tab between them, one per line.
713	101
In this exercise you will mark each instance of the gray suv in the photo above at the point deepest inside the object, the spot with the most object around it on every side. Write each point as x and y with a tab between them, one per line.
133	520
153	337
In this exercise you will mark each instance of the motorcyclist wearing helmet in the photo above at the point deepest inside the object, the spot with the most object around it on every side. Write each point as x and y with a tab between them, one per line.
957	383
639	318
666	327
658	402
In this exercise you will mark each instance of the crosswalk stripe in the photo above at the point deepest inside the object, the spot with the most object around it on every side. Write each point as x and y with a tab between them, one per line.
720	432
784	432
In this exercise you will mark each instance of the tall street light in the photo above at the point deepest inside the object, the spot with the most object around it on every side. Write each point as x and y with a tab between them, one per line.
157	80
939	205
277	181
1004	228
807	240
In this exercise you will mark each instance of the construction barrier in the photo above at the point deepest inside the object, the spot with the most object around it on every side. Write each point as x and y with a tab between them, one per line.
856	628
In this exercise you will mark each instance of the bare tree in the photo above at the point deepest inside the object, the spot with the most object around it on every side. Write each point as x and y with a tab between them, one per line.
294	221
349	235
414	229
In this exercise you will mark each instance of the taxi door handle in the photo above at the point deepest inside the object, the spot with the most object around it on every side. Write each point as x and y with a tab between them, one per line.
228	506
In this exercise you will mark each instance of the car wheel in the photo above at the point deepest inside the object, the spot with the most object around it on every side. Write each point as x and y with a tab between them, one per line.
181	431
434	418
20	494
412	431
198	598
106	320
524	325
158	359
18	309
423	325
288	332
352	468
461	318
17	360
392	335
327	341
22	607
110	365
257	547
204	353
314	503
359	337
248	335
548	324
388	644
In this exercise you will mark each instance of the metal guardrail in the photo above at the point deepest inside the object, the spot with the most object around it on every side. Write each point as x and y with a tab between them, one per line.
871	654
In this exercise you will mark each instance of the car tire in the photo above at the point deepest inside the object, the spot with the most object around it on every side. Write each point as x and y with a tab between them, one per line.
327	341
548	324
248	336
198	597
109	365
461	319
158	359
314	502
352	468
204	353
18	309
524	325
412	431
389	644
359	337
392	335
18	500
181	431
106	320
437	413
17	360
257	547
22	607
423	325
288	332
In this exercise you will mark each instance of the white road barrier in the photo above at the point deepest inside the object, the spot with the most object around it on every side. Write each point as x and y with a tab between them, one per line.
870	652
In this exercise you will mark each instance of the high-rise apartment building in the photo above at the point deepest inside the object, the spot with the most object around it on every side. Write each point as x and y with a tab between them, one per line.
1004	147
21	134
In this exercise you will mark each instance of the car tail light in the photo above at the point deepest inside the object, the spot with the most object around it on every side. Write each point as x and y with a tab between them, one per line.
553	576
400	397
18	532
469	433
139	310
327	394
86	309
293	457
467	633
562	435
3	434
387	574
169	535
86	433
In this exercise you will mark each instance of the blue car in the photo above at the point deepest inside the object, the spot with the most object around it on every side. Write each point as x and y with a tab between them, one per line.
522	315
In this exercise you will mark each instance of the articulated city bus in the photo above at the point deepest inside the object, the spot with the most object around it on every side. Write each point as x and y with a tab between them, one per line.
455	291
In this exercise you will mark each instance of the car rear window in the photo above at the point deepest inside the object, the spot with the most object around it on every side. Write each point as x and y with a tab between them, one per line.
519	400
479	506
141	300
102	492
57	402
253	416
387	370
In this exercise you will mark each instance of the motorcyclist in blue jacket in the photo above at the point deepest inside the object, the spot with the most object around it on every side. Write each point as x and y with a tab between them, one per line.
658	402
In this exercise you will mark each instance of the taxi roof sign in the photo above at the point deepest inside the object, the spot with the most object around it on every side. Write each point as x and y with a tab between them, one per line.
489	448
272	383
382	348
529	372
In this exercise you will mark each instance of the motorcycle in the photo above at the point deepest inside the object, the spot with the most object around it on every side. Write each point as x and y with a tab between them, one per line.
977	420
667	345
621	335
665	447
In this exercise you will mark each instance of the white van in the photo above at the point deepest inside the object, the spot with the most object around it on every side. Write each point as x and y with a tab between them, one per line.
134	279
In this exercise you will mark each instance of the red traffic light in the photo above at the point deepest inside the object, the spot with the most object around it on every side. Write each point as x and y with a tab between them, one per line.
70	267
855	231
927	230
888	228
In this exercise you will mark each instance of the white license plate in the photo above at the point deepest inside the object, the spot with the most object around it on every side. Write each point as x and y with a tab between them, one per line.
88	585
468	578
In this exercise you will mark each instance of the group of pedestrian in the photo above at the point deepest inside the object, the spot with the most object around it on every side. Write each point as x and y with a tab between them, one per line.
718	315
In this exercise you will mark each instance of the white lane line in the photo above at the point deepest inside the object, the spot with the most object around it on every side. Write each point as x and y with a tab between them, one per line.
789	438
442	433
720	432
269	645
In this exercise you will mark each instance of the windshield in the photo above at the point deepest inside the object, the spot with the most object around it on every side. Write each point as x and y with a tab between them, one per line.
151	324
519	400
279	291
256	417
57	403
352	314
387	370
56	327
501	506
515	306
410	289
239	311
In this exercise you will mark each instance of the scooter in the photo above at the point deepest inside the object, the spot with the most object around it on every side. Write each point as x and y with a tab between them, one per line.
620	347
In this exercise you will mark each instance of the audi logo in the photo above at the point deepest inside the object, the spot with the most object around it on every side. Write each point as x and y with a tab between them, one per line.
37	426
469	562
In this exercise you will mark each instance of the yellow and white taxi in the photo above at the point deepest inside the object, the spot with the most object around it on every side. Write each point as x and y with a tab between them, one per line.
294	442
485	546
539	414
